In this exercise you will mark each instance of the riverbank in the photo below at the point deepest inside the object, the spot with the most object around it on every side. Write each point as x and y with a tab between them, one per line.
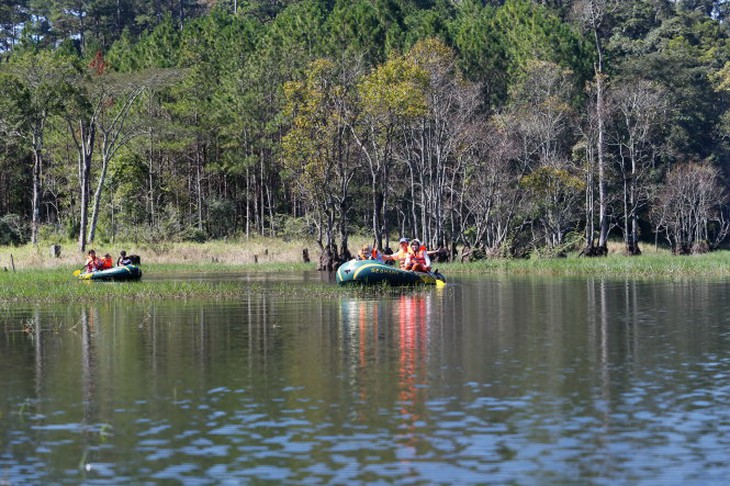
259	253
173	271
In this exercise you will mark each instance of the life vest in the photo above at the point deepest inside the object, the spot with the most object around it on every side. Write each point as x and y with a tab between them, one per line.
107	263
421	257
93	264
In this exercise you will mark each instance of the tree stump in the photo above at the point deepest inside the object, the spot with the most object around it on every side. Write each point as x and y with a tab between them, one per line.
305	255
55	251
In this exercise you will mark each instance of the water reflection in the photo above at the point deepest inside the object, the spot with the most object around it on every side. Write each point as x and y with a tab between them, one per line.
402	327
489	381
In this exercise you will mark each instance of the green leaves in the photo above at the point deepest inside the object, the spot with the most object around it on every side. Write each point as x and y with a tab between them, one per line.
397	89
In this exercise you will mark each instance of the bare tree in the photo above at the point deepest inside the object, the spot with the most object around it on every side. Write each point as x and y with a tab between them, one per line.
639	109
490	194
101	109
116	94
432	142
592	13
691	208
390	97
543	123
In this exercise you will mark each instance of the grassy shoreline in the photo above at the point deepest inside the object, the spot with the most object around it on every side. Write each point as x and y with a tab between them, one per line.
41	278
658	265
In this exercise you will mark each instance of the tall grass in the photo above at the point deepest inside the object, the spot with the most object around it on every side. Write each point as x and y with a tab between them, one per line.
253	251
653	265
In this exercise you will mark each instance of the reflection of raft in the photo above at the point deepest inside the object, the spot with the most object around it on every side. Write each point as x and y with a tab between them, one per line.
126	272
369	272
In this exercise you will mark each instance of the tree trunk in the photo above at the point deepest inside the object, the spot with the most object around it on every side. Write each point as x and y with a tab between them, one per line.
199	185
376	208
590	204
634	223
36	202
597	13
602	196
151	183
87	134
248	202
96	204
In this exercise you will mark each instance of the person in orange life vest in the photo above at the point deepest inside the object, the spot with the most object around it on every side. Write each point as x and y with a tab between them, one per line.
418	261
107	262
402	254
367	252
92	262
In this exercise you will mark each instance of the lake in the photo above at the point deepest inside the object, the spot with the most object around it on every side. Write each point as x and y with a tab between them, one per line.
490	380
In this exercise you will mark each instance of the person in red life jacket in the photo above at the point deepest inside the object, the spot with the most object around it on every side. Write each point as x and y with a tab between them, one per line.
402	254
107	262
92	262
418	261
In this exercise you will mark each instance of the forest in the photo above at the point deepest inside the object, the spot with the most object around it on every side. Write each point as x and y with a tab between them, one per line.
484	128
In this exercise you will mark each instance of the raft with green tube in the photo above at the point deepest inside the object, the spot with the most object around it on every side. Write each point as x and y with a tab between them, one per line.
115	274
373	272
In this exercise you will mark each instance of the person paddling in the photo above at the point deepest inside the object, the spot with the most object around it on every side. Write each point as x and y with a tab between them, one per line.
418	261
92	262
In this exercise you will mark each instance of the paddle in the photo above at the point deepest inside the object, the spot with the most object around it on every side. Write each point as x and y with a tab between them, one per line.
435	276
79	271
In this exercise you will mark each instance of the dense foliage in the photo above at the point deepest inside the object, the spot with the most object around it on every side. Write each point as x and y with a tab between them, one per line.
500	128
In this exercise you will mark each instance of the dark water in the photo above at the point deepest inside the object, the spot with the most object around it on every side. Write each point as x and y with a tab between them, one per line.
489	381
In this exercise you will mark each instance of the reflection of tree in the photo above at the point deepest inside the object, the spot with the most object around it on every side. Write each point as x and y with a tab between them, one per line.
38	352
89	372
608	339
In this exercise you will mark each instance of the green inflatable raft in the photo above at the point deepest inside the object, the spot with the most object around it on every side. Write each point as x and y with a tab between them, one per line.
371	272
116	274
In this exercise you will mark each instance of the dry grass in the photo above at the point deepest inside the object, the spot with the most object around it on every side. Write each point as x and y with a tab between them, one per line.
261	250
234	253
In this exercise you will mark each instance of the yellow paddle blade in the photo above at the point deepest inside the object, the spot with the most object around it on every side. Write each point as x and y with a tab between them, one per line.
440	283
77	273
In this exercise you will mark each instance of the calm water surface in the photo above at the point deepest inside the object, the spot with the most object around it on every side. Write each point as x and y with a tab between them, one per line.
491	380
